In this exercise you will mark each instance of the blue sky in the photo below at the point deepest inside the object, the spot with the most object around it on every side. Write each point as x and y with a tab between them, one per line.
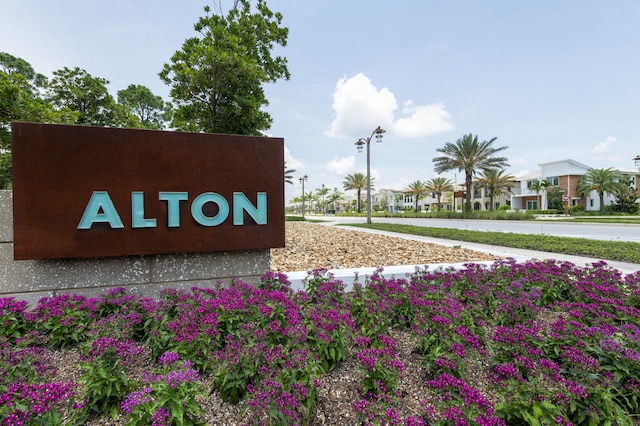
552	80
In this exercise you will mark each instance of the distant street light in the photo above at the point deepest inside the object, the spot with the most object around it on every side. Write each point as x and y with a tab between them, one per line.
302	180
360	144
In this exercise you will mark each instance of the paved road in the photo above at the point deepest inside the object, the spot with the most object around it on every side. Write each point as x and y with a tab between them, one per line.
595	231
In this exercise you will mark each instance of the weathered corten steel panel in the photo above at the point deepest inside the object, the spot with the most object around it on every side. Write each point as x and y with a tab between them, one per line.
57	169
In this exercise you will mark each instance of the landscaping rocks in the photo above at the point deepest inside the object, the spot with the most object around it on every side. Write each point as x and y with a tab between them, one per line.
310	245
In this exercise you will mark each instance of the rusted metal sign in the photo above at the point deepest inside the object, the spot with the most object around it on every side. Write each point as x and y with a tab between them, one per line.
81	192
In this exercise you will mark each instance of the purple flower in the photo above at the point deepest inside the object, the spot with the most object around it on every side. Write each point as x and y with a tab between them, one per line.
168	358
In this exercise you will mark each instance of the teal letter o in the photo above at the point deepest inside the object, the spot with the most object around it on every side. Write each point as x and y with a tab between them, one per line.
201	200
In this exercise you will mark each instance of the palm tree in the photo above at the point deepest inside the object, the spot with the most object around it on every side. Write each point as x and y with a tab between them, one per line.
438	186
495	182
602	181
296	200
469	155
357	181
334	197
322	193
288	174
539	186
418	189
312	197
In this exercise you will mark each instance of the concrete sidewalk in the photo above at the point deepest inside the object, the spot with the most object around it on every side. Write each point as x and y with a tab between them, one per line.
349	276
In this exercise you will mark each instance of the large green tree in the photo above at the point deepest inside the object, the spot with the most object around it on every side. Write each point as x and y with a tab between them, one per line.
496	182
418	190
438	186
357	182
603	181
469	155
13	65
77	90
150	110
217	77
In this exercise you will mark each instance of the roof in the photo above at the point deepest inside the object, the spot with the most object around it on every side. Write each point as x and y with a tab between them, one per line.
569	161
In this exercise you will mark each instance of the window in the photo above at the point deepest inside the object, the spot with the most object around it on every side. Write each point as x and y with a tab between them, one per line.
555	181
530	182
532	205
477	193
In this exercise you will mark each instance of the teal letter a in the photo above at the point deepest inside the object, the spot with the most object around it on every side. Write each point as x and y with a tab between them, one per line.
100	201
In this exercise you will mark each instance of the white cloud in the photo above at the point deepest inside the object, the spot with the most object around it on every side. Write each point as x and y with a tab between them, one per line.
360	107
423	120
292	163
342	166
605	145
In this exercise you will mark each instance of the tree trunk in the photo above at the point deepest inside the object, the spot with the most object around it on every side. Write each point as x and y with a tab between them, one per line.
468	182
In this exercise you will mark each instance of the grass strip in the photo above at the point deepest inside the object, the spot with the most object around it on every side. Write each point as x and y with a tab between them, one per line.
631	220
623	251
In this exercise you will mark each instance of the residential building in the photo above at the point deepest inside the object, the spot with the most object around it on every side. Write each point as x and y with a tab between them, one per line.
566	175
389	200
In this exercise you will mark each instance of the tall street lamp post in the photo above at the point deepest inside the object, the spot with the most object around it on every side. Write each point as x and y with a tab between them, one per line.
302	180
360	144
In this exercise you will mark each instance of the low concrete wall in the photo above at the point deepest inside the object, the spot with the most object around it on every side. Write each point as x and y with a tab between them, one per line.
33	279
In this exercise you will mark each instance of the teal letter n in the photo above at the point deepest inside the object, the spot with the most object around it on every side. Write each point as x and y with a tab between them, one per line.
241	204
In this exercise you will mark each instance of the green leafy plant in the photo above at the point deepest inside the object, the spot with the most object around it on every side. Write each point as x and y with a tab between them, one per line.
236	369
64	319
105	374
13	323
169	395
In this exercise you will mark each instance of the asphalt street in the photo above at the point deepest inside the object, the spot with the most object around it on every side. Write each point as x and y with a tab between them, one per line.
594	231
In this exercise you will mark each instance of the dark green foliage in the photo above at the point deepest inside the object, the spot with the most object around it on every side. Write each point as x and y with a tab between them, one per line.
150	110
554	198
626	197
217	77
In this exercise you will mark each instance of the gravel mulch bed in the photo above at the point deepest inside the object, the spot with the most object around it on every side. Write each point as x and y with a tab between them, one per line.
310	245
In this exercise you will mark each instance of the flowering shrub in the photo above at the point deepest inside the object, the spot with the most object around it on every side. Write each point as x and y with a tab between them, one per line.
105	376
34	403
555	343
380	364
168	395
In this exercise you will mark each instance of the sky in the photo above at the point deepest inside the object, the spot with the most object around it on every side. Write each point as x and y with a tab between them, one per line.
550	79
